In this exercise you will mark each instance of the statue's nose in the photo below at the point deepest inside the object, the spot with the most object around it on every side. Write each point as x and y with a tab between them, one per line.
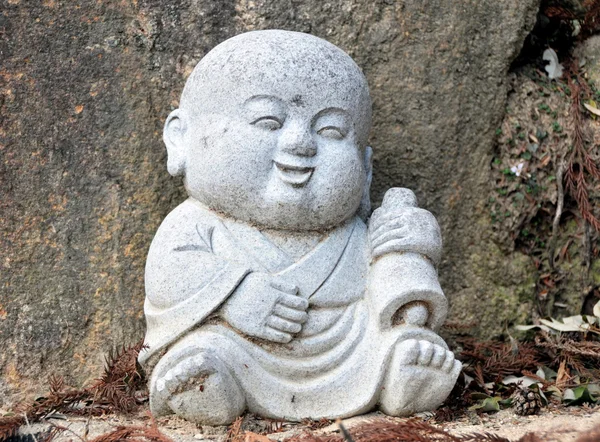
297	140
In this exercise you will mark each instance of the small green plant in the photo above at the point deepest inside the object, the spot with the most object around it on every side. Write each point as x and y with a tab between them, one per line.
544	107
557	128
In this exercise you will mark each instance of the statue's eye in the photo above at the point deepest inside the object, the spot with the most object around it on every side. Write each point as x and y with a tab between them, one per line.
270	123
332	132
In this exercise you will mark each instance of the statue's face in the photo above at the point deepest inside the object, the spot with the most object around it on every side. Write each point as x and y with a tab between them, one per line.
281	155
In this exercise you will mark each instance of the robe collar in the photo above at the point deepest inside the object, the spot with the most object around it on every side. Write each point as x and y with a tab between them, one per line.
310	271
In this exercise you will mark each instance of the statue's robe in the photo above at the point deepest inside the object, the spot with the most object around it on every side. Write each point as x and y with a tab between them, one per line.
340	357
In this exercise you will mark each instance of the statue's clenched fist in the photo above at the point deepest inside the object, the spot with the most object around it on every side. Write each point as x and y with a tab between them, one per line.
266	308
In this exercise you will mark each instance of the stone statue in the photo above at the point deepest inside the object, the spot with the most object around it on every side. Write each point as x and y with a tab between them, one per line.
265	290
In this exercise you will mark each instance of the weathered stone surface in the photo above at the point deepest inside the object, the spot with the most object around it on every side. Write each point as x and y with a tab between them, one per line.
86	88
589	52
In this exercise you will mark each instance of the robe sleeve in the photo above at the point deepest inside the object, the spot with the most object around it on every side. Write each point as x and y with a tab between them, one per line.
185	280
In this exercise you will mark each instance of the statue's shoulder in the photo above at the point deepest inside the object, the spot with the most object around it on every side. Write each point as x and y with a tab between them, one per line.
182	224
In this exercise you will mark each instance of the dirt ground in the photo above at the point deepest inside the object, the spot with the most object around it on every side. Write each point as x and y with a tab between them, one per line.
563	425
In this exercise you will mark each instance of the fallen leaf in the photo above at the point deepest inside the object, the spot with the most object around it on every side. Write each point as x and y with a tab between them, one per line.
530	327
545	161
570	324
554	68
597	309
562	377
546	373
253	437
582	394
592	109
488	404
523	381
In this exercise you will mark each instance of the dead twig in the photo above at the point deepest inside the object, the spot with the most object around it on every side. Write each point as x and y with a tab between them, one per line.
344	432
580	163
134	433
560	201
234	432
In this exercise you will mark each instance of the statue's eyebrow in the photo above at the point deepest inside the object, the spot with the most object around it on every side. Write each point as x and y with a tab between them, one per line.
263	98
332	111
264	104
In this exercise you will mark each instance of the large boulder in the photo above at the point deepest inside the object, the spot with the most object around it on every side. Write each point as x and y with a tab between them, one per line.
86	87
589	53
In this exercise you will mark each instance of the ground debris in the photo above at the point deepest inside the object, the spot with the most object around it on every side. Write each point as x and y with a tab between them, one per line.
116	391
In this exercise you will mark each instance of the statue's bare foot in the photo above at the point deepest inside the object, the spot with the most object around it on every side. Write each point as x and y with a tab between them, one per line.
420	377
200	389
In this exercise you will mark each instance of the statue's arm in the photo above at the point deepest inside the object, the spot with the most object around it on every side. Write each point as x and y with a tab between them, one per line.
185	281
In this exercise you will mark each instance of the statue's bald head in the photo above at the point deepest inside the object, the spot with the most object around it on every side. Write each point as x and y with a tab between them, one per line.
297	67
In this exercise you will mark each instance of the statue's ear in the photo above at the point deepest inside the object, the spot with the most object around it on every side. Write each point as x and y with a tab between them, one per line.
174	138
364	210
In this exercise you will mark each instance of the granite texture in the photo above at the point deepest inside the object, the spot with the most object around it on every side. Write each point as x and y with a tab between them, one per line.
589	53
84	92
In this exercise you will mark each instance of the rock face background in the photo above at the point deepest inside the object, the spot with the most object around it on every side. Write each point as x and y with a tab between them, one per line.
86	85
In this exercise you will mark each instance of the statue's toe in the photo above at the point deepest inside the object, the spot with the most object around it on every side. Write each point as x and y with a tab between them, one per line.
426	350
439	357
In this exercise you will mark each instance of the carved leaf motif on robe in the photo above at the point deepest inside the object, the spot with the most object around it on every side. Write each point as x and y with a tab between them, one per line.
204	245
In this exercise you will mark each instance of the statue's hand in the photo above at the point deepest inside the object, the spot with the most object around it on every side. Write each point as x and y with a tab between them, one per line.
266	308
405	229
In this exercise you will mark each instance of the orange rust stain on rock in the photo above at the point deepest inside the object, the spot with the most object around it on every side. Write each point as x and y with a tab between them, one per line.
86	351
12	376
136	246
58	203
78	109
80	358
3	312
8	76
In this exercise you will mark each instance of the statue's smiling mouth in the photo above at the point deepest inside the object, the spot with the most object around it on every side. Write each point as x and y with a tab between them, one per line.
293	175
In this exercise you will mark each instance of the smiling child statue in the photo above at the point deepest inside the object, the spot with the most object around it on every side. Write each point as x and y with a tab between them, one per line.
265	290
